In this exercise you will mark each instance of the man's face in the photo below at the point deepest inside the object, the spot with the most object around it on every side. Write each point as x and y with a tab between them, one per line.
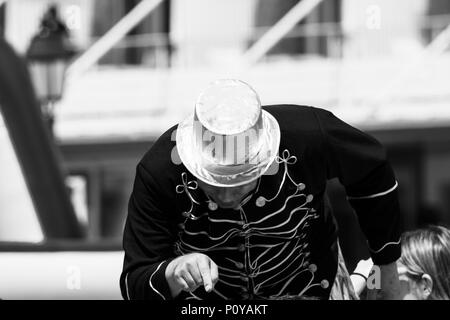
227	197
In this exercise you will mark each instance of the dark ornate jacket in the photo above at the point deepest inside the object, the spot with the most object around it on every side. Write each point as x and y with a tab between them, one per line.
282	241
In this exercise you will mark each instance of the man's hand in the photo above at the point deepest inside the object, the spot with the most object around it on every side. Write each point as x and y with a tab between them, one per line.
190	271
390	284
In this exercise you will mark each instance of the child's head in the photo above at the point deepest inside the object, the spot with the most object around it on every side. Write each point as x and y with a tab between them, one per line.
424	266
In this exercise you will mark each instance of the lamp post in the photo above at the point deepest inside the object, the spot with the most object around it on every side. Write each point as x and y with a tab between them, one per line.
48	55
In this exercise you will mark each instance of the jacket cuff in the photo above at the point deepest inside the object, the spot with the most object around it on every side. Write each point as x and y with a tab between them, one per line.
388	253
158	283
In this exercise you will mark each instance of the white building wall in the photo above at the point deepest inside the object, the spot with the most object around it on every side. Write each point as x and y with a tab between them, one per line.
18	219
210	32
382	28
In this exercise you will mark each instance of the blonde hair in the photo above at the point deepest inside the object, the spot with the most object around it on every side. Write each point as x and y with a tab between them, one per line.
427	251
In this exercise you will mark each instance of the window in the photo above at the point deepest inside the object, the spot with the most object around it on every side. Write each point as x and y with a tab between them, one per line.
146	44
318	34
436	19
101	177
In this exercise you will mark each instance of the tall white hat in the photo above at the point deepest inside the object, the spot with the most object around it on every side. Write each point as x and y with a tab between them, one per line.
229	140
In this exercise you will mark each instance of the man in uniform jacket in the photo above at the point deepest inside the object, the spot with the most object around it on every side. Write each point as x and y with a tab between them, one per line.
230	203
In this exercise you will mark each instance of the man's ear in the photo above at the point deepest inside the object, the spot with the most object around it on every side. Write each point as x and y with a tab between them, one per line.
426	285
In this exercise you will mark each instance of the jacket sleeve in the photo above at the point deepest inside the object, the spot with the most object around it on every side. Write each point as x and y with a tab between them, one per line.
359	162
147	241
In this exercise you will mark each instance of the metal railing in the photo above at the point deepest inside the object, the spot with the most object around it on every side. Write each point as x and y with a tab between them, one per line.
321	39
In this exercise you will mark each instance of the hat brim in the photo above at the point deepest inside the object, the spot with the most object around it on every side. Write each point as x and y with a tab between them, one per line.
193	161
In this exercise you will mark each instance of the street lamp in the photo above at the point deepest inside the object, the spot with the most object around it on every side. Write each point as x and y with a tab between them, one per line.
48	54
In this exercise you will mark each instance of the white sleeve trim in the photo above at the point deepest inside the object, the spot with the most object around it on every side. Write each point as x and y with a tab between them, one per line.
383	247
126	287
376	195
150	281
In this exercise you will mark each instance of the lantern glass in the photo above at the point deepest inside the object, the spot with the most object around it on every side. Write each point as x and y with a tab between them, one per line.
48	79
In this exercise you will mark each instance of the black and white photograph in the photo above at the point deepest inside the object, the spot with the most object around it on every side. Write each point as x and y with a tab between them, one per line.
222	156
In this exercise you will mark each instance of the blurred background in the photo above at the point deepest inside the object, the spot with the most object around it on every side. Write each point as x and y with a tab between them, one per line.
109	76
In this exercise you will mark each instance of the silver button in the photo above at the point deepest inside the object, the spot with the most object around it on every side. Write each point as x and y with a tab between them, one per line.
312	267
212	206
301	187
240	265
260	202
244	234
241	248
